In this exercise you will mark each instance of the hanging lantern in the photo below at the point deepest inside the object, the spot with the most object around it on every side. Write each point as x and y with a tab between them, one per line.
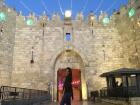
2	16
106	20
29	22
131	12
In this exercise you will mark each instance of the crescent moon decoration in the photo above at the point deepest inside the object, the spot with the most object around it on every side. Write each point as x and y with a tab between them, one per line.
2	16
29	22
106	20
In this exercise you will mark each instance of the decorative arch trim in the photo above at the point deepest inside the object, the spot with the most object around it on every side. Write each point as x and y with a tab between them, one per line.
59	52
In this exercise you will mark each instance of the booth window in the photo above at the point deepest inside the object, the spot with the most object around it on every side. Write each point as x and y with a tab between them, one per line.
132	81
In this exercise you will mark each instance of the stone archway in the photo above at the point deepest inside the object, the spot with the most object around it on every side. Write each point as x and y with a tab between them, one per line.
55	66
57	54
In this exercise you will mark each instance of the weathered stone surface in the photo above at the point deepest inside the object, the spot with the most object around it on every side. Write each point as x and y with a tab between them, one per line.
95	48
7	35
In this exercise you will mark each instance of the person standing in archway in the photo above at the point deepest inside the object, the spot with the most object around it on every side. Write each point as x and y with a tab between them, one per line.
67	88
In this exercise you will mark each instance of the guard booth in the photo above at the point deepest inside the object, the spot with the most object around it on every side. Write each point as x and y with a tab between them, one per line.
121	83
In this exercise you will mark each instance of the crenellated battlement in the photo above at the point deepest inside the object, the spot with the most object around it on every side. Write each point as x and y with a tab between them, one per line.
91	20
56	20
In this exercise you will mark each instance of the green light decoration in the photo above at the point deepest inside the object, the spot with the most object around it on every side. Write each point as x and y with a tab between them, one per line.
106	20
136	1
29	22
2	16
131	12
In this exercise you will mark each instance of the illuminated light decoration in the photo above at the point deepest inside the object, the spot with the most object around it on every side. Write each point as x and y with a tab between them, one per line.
131	12
68	37
133	75
2	16
76	82
106	20
84	91
29	22
60	85
92	17
68	13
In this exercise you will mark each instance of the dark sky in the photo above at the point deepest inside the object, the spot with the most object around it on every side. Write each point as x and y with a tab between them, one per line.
52	6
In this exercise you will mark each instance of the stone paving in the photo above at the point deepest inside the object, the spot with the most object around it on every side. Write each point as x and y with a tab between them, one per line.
78	103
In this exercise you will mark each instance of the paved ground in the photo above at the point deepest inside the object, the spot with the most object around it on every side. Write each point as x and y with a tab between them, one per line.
79	103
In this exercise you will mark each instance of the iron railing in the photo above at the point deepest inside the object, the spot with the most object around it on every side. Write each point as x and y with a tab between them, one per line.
124	92
22	96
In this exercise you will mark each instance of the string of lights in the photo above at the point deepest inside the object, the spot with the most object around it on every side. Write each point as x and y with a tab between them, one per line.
114	3
45	7
132	10
60	7
26	7
85	6
71	5
101	2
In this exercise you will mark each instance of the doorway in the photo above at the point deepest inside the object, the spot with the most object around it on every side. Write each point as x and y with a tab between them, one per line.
76	83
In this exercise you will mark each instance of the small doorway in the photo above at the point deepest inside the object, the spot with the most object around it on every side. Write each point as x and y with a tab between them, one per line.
76	83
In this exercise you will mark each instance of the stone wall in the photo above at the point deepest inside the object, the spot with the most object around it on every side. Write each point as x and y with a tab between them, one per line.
7	35
98	45
101	47
129	31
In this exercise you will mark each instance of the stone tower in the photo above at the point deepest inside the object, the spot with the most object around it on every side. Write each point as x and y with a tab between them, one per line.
7	33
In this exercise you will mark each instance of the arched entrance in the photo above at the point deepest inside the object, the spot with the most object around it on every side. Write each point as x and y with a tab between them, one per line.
76	83
69	58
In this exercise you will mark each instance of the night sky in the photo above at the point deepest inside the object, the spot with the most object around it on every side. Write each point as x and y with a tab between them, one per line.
59	6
